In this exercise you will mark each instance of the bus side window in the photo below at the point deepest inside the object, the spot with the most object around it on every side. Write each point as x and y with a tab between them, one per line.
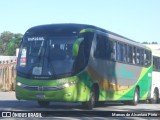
130	55
120	52
108	49
80	60
124	53
134	55
158	64
138	56
154	63
147	58
100	51
141	57
113	52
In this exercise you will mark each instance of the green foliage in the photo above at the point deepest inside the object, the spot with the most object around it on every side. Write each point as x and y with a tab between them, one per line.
154	43
149	43
9	42
145	43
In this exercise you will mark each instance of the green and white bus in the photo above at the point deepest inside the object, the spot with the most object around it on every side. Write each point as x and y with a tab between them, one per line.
81	63
155	88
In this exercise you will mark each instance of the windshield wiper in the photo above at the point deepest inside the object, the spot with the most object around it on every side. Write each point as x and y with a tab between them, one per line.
41	49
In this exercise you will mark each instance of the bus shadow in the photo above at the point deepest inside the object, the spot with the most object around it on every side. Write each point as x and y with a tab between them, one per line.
63	106
79	106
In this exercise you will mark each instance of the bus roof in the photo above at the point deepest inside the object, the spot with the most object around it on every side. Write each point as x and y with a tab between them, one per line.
76	28
73	26
50	28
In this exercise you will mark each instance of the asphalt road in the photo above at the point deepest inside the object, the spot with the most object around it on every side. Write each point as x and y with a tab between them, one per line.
8	102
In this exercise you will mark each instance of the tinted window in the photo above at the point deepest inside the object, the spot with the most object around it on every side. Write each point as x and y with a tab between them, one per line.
134	55
156	63
120	52
100	51
138	56
147	58
125	53
142	57
113	51
130	54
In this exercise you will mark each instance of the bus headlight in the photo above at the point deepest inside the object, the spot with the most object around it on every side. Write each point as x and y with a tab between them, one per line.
46	88
19	84
66	85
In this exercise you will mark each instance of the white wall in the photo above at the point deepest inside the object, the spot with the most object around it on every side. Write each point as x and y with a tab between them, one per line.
5	59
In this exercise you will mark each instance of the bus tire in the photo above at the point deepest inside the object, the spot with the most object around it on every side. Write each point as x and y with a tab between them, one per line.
91	103
43	103
155	98
136	97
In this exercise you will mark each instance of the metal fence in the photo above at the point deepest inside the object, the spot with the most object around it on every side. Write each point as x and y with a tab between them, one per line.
7	76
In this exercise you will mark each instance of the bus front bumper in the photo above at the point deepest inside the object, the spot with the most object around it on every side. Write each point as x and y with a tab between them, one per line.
67	92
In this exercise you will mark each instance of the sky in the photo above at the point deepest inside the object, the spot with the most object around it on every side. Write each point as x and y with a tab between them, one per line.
138	20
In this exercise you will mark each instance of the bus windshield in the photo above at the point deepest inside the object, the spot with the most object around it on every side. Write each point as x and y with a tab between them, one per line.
46	57
51	57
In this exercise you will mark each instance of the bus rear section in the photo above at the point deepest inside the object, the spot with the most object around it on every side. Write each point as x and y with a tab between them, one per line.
120	68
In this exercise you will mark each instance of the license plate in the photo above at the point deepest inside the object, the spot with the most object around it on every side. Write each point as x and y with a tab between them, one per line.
41	96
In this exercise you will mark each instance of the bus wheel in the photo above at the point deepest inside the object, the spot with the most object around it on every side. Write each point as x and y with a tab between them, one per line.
43	103
136	97
91	103
154	100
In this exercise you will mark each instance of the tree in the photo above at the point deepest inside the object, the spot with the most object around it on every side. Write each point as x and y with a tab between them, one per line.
6	36
154	43
13	44
149	43
9	42
4	39
145	43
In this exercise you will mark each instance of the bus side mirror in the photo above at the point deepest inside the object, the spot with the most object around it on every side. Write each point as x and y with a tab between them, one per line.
76	45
